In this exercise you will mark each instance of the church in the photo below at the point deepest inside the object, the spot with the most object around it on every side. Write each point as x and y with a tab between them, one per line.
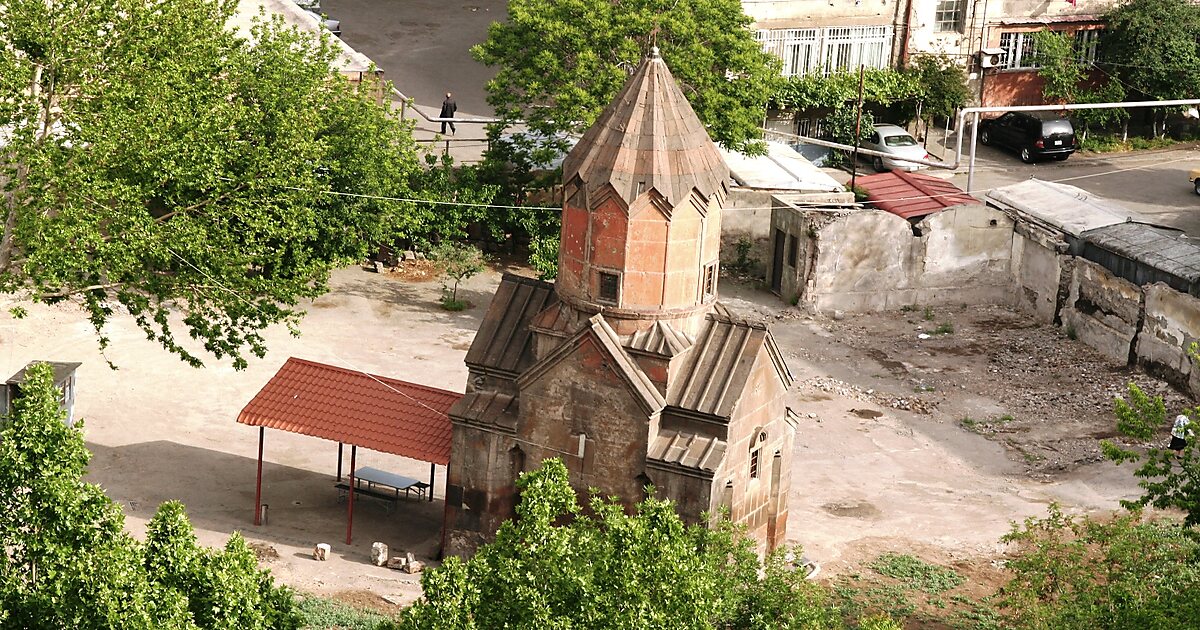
627	367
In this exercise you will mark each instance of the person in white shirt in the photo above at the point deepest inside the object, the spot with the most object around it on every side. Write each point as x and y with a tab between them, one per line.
1180	433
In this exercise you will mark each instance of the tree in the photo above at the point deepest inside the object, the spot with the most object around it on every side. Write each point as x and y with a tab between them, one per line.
66	561
558	566
943	86
559	64
1170	479
459	261
157	163
1066	79
1083	574
1153	48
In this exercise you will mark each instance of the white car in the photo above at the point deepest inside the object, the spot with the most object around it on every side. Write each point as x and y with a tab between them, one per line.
895	141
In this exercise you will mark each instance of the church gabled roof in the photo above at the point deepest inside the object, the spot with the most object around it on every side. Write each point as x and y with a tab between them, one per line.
659	339
648	138
718	367
623	364
689	450
503	343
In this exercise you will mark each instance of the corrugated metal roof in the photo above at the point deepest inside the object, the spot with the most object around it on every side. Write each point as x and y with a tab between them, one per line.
623	364
62	370
486	408
720	363
659	339
1161	249
375	412
701	452
782	168
503	342
1064	207
911	195
648	138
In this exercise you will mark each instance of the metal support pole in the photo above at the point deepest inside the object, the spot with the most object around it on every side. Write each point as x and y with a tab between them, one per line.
971	166
857	130
340	445
350	499
262	433
432	471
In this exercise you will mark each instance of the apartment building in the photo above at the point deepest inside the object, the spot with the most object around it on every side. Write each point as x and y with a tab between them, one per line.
824	36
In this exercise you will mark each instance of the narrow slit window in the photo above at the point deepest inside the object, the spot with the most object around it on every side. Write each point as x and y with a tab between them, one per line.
610	287
710	280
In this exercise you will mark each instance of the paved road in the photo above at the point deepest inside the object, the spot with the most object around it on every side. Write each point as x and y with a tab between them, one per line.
422	45
1152	183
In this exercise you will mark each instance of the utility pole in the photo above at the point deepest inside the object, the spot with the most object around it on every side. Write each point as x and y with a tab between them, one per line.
857	131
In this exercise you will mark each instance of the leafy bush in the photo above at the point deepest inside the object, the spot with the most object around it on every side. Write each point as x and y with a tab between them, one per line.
66	561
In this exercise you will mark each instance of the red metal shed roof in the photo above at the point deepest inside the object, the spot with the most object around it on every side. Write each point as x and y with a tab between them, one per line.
375	412
912	195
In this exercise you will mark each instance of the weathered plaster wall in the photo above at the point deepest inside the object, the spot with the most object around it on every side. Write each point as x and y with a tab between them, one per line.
1038	260
747	216
1171	324
872	260
1102	310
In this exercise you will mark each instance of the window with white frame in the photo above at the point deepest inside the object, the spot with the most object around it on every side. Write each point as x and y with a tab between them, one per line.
1086	44
829	49
948	16
1018	51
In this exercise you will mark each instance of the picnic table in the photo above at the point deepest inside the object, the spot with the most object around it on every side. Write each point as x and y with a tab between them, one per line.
382	484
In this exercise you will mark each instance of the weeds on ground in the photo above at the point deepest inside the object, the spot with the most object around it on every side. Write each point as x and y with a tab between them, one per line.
320	613
928	314
944	328
907	588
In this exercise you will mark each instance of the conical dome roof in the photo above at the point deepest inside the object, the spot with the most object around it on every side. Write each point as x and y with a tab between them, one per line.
648	137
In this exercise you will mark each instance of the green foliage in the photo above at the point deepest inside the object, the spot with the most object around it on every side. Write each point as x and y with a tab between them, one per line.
1168	479
160	164
560	63
944	328
320	613
461	192
883	86
1154	47
934	80
1058	64
917	573
557	565
458	262
543	255
942	85
1085	574
66	561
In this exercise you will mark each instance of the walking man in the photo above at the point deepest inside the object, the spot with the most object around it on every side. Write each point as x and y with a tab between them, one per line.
448	109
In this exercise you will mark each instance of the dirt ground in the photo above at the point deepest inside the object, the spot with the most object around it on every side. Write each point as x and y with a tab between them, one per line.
929	446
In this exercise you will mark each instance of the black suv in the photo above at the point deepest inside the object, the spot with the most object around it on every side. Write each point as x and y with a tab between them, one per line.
1033	137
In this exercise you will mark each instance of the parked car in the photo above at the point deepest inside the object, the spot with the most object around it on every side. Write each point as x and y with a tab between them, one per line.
1029	136
1194	177
895	141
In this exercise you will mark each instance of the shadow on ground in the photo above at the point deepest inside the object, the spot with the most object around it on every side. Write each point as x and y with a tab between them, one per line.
218	490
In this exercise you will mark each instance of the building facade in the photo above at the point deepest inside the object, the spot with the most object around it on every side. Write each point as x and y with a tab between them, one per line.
627	367
824	37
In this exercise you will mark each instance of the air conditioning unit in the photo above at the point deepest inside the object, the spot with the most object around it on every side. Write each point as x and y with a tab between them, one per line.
991	57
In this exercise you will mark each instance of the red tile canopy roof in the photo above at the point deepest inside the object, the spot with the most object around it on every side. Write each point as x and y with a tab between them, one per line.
912	195
375	412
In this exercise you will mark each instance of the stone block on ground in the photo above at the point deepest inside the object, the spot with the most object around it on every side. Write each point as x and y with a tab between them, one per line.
416	566
398	563
379	554
321	551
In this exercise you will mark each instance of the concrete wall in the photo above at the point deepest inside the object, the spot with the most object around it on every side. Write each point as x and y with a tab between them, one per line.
1171	324
1038	259
872	260
1102	310
747	216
